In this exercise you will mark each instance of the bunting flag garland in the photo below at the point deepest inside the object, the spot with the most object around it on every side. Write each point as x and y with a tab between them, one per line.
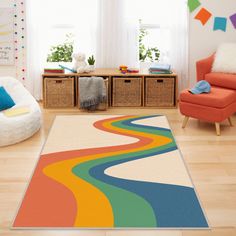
193	4
233	20
204	15
220	23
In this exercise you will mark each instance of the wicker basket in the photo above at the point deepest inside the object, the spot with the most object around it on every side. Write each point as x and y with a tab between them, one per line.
159	92
126	92
59	92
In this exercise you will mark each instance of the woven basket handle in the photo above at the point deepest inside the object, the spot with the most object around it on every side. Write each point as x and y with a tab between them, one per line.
58	81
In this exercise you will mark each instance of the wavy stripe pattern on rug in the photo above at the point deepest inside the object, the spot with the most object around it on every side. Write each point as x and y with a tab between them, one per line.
92	187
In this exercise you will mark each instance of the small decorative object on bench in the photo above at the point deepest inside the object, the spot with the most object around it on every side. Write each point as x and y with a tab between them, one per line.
91	62
80	64
133	70
157	68
54	70
123	69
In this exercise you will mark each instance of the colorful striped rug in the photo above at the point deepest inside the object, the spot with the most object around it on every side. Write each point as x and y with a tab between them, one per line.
110	171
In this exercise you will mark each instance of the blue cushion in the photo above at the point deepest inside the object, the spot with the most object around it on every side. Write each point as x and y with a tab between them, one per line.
5	100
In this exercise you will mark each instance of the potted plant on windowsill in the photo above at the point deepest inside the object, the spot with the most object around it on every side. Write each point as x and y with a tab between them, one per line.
146	55
61	53
91	62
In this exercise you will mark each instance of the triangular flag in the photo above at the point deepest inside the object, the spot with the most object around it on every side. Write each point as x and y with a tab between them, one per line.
203	15
233	20
193	4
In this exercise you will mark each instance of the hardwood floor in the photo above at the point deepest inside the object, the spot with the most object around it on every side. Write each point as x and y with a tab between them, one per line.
211	161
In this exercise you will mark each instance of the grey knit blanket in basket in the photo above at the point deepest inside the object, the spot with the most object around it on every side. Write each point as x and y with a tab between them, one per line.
92	91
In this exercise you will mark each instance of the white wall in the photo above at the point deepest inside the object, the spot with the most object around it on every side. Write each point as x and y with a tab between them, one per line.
203	40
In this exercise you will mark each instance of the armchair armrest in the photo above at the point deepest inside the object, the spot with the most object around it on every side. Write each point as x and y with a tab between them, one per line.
204	66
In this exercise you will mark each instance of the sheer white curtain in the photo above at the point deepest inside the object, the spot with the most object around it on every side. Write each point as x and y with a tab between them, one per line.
117	41
178	24
37	43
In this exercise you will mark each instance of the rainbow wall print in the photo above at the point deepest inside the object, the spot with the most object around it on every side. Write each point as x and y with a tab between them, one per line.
109	171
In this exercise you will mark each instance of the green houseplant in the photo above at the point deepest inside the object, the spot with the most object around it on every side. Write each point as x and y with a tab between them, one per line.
62	52
91	62
147	54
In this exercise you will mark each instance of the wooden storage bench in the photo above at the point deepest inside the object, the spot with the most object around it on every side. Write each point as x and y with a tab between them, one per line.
59	92
127	92
159	92
124	90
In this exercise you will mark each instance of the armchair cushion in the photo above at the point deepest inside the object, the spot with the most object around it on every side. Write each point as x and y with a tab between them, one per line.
225	59
218	97
221	80
5	100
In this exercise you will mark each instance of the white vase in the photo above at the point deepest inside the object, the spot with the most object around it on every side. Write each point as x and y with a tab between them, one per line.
145	64
91	67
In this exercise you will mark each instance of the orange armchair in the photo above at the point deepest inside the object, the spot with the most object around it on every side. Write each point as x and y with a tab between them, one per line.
216	106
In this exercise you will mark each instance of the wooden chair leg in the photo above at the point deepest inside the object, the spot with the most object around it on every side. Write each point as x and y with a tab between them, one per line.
186	118
230	121
217	128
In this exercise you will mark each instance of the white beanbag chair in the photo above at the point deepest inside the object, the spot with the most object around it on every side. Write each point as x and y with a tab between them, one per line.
17	128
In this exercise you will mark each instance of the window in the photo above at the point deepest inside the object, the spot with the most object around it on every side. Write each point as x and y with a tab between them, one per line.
156	37
77	17
155	22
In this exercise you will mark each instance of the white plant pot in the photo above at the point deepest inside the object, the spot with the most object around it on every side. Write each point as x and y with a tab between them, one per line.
91	67
145	65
